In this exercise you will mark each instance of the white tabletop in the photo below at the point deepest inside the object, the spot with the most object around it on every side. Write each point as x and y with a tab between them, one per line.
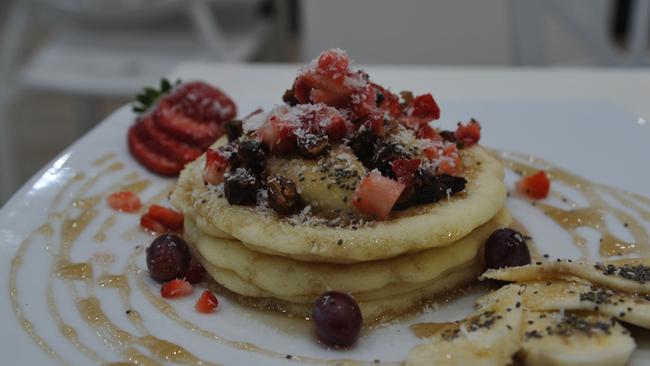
628	88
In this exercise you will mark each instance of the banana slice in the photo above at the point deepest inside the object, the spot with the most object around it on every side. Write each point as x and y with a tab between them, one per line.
629	275
573	339
327	184
491	336
628	308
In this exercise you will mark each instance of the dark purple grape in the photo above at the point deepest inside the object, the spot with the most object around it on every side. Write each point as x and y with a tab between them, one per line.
168	257
506	248
338	319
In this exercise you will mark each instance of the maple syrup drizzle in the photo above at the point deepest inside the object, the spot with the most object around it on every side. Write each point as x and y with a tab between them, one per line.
594	214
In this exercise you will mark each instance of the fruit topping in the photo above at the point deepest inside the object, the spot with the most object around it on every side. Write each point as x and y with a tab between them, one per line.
160	219
278	135
207	303
376	195
535	186
252	154
428	132
177	123
234	129
124	201
241	187
168	257
506	248
337	318
175	288
283	195
405	169
312	146
169	218
430	188
215	166
469	133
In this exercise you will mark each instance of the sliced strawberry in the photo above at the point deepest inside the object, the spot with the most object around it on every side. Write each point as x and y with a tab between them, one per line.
195	272
202	102
150	224
175	288
207	303
124	201
165	145
153	161
447	166
376	195
535	186
389	102
469	133
278	135
186	129
215	166
405	169
428	132
450	163
431	153
169	218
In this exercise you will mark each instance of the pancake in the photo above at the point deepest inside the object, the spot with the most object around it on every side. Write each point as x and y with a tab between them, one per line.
373	311
285	277
299	237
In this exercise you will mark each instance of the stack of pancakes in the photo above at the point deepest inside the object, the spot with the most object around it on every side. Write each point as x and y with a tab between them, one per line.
390	267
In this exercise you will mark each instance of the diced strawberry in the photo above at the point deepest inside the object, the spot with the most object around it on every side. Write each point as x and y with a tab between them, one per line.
124	201
424	106
186	129
337	129
202	102
195	272
169	218
376	195
163	144
447	166
431	153
451	163
334	63
390	102
428	132
215	166
150	224
175	288
405	169
469	133
278	136
535	186
153	161
207	303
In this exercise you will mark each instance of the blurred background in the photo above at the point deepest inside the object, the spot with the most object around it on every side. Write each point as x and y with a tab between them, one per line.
66	64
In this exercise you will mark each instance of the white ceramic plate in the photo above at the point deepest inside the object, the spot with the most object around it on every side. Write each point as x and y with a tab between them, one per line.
596	140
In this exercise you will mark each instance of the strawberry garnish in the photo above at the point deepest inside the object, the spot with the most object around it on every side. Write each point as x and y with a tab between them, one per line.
178	122
175	288
468	134
160	219
149	224
124	201
169	218
405	169
376	195
215	166
163	144
278	135
207	303
425	107
150	159
535	186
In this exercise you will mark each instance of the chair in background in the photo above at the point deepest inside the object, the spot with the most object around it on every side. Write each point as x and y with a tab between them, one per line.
102	48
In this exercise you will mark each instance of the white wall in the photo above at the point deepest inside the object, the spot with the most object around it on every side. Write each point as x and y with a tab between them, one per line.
447	32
